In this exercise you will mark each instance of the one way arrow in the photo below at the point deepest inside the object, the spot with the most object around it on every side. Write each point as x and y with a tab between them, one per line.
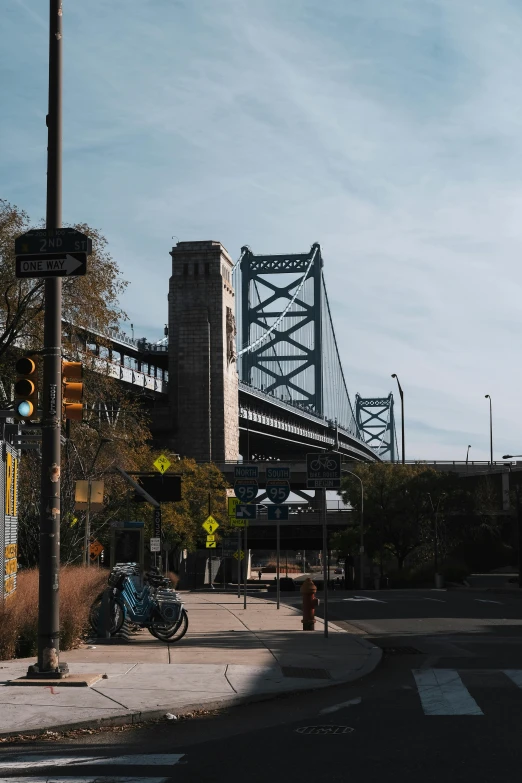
71	264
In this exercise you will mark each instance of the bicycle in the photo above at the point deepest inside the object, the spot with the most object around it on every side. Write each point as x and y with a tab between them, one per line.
325	462
154	607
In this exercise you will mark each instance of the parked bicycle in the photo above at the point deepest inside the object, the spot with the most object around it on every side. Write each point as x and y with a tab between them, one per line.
155	606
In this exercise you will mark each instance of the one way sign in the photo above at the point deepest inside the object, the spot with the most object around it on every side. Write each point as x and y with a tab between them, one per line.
246	512
279	513
52	265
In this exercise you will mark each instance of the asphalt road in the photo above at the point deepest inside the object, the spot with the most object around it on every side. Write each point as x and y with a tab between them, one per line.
445	705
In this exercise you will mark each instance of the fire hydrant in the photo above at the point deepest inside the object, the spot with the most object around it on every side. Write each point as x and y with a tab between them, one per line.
310	603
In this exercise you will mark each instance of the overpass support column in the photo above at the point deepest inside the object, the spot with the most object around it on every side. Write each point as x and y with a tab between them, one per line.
203	382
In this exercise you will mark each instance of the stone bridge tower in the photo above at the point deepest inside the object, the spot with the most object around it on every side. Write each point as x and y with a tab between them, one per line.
203	379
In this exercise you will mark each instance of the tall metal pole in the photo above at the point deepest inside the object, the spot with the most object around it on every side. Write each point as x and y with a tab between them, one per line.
278	555
87	532
325	561
239	562
402	413
246	568
361	536
490	430
48	609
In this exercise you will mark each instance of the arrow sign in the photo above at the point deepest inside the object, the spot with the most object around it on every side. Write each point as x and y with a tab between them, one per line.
246	512
277	513
51	265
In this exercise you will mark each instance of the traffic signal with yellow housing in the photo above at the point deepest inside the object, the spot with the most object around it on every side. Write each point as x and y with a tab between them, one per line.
72	390
26	388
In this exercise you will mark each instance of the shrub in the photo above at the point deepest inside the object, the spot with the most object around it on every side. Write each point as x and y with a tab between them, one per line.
19	614
423	575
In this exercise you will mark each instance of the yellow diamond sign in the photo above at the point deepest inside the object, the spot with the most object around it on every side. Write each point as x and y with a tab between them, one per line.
162	463
210	525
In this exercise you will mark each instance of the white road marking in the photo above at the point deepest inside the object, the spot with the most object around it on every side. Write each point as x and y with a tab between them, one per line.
515	675
439	600
143	759
442	692
486	601
85	779
364	598
340	706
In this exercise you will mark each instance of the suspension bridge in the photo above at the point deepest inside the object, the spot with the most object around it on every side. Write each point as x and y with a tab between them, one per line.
250	367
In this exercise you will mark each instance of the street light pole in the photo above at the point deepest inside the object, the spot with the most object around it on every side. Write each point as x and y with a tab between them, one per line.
48	664
361	539
402	411
487	397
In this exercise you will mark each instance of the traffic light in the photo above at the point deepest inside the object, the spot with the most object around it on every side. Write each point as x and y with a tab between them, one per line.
72	390
26	388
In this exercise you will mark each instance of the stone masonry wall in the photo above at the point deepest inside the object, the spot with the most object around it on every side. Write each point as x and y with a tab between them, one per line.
203	384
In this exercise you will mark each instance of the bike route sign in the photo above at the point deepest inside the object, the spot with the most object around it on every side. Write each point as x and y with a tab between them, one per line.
323	471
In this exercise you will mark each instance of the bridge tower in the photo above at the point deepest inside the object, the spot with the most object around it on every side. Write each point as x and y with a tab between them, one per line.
376	423
203	380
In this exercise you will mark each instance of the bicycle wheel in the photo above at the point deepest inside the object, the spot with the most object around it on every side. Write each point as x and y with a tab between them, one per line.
170	633
116	614
315	465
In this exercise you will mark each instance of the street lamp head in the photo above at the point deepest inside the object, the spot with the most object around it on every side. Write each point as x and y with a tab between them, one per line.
507	456
487	397
393	375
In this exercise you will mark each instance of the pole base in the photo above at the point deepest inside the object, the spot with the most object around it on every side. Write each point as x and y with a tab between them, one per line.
33	672
308	625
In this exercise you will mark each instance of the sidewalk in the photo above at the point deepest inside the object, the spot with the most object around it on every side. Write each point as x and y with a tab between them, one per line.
228	657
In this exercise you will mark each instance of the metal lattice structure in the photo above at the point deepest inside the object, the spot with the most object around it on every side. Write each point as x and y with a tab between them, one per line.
376	423
286	345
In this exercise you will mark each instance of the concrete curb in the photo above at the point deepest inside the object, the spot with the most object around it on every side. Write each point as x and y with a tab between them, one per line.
133	717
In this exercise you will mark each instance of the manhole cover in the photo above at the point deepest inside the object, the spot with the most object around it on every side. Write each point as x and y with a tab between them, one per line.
401	651
324	730
306	674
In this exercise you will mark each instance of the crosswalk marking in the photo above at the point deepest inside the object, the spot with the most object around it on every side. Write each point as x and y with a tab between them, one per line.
141	759
442	692
515	675
84	779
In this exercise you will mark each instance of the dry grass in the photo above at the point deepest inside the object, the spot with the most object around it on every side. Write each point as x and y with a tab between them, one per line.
19	613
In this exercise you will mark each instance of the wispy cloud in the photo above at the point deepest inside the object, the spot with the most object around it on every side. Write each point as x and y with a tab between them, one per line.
389	132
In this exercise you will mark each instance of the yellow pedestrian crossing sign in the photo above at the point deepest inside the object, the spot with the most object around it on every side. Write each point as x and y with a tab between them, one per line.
210	525
162	463
211	544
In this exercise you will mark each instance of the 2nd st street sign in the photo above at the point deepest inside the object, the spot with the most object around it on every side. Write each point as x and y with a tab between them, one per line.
60	252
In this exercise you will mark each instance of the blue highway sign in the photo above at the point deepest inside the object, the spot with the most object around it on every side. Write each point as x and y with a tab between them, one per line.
246	489
246	512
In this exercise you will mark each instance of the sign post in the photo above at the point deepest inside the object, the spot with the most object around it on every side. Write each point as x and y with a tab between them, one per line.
246	568
278	545
323	471
239	563
48	665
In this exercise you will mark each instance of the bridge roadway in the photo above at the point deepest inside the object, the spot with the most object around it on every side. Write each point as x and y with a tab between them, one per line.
268	427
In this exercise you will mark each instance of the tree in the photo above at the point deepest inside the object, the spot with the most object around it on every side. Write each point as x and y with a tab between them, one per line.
89	301
407	506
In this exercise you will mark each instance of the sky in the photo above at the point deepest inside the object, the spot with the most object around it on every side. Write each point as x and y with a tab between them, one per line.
389	131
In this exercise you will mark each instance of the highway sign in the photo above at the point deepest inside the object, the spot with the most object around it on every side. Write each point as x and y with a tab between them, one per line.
278	472
246	512
210	525
239	554
277	513
42	241
323	471
211	545
162	463
155	544
52	265
246	472
246	489
238	522
231	504
277	490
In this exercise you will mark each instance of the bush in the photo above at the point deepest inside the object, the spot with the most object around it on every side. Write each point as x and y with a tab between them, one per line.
19	614
424	575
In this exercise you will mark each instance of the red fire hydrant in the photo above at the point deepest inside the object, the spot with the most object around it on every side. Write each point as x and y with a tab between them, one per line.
310	602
